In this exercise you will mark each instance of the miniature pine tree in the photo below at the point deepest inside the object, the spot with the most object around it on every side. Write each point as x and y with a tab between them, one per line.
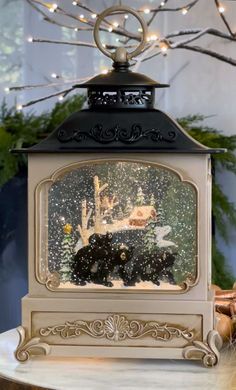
67	251
152	200
160	217
140	197
150	236
128	207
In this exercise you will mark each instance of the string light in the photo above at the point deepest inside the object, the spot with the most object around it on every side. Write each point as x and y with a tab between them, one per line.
74	2
110	29
140	29
164	48
19	107
30	39
146	11
184	11
126	16
54	76
81	16
53	7
60	98
153	37
7	89
75	29
162	4
116	24
104	71
104	45
93	16
221	9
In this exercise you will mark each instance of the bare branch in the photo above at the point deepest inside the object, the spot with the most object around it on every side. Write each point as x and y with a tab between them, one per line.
210	53
224	19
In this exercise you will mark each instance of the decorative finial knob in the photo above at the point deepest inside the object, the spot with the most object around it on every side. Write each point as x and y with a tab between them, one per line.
120	55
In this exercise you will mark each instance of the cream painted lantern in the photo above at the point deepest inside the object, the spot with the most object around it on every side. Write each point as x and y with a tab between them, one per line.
119	229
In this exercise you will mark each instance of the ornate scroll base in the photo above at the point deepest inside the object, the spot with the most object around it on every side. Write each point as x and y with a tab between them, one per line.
208	351
26	348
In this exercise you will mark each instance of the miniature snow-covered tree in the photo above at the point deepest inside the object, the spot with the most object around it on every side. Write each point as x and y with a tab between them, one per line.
160	216
140	197
129	207
152	200
150	236
67	251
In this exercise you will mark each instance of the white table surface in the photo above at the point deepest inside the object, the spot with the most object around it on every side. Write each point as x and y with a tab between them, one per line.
114	374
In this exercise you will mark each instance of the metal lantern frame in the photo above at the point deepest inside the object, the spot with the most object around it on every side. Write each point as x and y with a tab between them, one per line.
120	124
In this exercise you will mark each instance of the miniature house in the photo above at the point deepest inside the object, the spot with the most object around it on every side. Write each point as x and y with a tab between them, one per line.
119	230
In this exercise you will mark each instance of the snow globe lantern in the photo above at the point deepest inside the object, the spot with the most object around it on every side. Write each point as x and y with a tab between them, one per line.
119	229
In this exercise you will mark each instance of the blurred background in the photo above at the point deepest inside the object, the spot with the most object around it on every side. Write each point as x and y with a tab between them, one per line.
200	84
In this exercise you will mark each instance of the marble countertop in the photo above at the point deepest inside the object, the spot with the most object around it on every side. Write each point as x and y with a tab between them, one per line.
114	374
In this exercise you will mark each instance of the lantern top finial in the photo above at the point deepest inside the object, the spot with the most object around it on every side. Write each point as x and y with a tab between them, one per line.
120	55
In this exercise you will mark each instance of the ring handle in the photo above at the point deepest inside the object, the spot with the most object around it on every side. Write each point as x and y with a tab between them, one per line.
120	55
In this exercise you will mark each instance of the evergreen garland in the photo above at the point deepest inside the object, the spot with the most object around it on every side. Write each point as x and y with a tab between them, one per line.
19	129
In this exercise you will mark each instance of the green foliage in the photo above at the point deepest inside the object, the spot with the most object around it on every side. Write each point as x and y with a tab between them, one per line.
224	211
18	129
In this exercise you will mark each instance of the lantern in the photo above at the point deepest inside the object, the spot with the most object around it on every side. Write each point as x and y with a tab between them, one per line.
119	229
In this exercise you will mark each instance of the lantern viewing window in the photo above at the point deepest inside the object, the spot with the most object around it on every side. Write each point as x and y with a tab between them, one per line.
119	228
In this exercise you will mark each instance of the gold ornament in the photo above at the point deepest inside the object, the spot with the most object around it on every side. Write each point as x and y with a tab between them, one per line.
224	326
67	228
214	287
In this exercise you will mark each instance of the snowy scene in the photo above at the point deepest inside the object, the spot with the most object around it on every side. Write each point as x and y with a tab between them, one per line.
122	225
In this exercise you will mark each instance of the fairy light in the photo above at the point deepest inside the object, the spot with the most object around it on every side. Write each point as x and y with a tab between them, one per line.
7	89
164	48
54	76
93	16
74	2
110	29
146	11
117	39
221	9
162	4
116	24
184	11
76	29
104	71
140	29
104	45
153	37
53	7
30	39
19	107
126	16
81	16
60	98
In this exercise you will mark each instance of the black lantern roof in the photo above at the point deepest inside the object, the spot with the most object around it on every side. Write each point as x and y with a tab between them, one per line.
121	116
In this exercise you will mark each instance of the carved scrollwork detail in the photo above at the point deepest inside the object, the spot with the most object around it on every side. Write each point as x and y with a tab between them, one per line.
209	350
26	347
53	281
116	134
101	98
118	328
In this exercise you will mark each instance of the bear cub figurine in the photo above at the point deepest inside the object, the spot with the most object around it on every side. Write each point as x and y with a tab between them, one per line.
96	261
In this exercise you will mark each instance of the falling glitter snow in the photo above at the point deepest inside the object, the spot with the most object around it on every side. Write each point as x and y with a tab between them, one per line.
144	206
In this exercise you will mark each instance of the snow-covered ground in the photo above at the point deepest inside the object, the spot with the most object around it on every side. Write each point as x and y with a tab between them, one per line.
118	284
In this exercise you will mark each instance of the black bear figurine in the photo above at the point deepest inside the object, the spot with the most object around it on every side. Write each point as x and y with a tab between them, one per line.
87	258
150	267
120	255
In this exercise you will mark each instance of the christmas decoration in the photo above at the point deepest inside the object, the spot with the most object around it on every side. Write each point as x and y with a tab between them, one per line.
224	326
140	197
82	17
76	185
67	253
150	236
